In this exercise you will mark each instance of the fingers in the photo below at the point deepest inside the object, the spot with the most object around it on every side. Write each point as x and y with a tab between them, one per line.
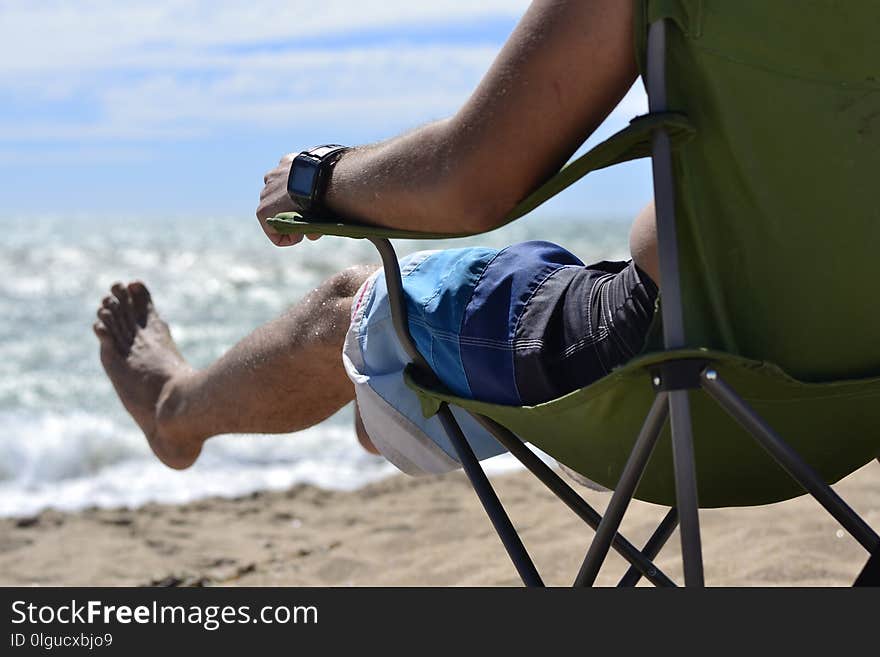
279	239
283	168
274	200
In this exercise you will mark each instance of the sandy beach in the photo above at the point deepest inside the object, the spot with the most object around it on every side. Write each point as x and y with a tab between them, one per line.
410	532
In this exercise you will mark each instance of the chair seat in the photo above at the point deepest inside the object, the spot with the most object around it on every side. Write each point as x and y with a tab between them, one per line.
832	425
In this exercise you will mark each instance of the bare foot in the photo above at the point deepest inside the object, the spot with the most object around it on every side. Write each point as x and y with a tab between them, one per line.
146	369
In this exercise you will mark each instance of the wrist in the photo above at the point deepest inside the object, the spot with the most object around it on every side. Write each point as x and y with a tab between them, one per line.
309	178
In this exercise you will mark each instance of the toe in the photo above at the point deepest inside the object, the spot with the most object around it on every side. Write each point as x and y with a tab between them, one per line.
106	317
110	305
126	312
141	302
101	331
113	304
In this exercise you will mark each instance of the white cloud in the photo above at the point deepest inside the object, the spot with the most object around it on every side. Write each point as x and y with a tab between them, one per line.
411	84
58	34
166	69
174	69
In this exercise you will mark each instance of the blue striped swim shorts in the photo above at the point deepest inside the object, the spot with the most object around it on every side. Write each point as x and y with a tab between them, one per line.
517	326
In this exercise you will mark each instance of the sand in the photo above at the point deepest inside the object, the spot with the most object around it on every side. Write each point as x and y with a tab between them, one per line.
412	532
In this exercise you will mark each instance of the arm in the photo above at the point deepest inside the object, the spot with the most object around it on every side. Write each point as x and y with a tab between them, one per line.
565	67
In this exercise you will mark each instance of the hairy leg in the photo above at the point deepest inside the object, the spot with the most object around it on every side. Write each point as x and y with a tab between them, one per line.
283	377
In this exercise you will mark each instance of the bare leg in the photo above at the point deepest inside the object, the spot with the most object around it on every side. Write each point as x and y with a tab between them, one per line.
283	377
643	242
362	435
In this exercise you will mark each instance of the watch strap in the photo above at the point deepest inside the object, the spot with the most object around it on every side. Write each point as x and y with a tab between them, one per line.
322	159
329	158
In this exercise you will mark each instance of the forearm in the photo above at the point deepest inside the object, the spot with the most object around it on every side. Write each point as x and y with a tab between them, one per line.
408	182
564	68
567	64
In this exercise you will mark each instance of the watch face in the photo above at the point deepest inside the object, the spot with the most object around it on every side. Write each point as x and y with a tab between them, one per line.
302	177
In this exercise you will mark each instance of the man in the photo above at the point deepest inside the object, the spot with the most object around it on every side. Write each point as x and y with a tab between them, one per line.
565	67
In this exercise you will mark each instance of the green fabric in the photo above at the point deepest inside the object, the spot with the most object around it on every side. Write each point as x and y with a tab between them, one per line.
631	143
778	226
833	426
777	211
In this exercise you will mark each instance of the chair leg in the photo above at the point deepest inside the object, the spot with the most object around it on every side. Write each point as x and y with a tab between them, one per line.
397	302
641	563
799	470
686	487
653	546
623	493
505	529
512	543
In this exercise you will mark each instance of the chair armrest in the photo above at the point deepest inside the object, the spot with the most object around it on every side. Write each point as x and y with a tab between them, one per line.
293	223
632	142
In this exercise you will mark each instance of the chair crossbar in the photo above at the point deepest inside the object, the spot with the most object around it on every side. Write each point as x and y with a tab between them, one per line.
790	460
624	491
653	546
480	482
640	561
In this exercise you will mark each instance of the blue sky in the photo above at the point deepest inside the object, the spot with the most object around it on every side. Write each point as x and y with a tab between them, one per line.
172	107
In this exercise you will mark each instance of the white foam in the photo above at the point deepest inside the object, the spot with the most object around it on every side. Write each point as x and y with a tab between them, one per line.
75	461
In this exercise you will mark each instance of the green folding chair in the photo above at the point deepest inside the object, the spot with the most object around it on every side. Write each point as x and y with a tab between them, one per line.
764	131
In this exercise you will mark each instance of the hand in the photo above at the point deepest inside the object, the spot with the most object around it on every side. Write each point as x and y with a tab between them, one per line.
274	199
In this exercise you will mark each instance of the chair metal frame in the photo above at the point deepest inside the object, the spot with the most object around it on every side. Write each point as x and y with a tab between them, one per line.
672	381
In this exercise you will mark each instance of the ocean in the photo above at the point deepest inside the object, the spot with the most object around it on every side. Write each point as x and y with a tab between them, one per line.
65	440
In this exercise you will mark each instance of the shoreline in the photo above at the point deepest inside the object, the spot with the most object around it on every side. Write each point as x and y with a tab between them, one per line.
403	531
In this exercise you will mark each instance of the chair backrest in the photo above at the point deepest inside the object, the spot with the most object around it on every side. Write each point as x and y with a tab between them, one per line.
778	216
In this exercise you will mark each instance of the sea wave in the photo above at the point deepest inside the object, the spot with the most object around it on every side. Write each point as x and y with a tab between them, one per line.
65	440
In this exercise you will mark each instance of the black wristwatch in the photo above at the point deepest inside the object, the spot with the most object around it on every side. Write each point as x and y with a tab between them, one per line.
309	174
